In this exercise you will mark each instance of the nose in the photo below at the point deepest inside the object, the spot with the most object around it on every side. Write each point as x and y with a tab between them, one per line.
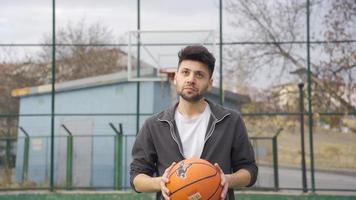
191	79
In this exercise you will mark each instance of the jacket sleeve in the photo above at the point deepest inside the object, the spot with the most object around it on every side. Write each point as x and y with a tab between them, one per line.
243	156
143	154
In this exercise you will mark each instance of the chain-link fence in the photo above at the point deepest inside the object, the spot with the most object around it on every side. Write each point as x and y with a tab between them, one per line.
64	79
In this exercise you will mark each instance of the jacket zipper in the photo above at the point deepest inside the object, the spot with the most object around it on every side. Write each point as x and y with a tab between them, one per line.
213	127
171	129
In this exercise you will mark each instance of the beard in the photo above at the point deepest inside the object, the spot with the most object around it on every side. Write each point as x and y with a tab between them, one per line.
192	99
195	95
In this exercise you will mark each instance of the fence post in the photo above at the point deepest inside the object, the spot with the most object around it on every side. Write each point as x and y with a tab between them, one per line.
301	107
25	156
117	155
69	171
7	153
275	159
8	160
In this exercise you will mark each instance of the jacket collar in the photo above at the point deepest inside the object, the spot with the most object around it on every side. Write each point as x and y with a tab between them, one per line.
217	111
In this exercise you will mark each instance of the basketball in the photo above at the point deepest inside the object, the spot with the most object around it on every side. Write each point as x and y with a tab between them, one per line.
194	179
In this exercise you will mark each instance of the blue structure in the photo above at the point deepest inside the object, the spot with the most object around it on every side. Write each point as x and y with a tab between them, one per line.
85	108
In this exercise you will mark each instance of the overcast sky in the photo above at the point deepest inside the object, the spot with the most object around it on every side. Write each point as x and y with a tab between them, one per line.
25	21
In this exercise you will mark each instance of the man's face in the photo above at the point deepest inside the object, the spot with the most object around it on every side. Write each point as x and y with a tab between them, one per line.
192	80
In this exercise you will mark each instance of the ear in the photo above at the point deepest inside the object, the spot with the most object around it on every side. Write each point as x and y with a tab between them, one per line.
210	84
175	78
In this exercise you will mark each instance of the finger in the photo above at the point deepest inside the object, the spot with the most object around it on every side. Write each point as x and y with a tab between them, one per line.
223	181
169	168
165	191
218	168
224	191
164	187
165	178
222	175
165	196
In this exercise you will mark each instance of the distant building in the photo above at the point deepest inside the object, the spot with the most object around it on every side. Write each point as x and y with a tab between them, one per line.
85	108
285	96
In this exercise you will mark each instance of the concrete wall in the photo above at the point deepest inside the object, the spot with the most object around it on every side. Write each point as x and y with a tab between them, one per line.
93	162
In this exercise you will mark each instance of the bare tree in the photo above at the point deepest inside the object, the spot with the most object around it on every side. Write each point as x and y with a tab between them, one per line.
278	27
9	107
262	22
7	54
339	65
80	54
83	50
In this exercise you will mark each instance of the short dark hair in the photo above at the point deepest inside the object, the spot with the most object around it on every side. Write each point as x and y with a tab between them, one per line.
198	53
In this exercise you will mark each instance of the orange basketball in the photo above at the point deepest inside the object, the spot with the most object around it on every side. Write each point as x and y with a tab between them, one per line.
194	179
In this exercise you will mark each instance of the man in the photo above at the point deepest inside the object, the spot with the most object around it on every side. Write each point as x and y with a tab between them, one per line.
194	127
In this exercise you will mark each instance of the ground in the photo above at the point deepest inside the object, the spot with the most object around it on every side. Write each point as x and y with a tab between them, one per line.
97	195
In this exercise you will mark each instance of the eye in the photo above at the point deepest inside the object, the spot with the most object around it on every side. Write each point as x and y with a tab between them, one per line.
199	75
185	72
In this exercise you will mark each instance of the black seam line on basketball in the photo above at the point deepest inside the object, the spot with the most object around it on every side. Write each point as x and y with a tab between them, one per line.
193	183
169	176
217	188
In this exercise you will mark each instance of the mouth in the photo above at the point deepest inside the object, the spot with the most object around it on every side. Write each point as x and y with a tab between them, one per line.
190	88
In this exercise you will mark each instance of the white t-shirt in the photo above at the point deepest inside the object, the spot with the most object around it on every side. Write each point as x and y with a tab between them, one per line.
192	132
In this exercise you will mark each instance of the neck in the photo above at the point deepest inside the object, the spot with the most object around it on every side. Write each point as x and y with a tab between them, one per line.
191	109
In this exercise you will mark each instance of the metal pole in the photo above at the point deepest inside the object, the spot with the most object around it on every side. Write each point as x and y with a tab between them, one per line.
25	159
53	91
8	158
275	163
275	158
138	69
69	162
221	53
117	156
25	156
69	170
310	113
301	106
7	152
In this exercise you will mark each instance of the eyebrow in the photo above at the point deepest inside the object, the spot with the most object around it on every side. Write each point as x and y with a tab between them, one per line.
195	71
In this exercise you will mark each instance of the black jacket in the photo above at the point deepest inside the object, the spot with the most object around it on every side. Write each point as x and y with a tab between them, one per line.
226	142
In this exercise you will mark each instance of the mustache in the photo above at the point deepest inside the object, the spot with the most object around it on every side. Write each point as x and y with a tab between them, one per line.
190	87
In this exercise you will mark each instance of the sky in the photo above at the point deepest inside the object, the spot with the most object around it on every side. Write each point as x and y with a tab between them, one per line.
28	21
25	21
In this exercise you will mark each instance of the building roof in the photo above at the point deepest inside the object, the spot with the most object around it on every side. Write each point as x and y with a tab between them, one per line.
95	81
238	98
109	79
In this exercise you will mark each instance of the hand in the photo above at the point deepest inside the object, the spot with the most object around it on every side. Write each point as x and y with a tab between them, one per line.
223	183
164	181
